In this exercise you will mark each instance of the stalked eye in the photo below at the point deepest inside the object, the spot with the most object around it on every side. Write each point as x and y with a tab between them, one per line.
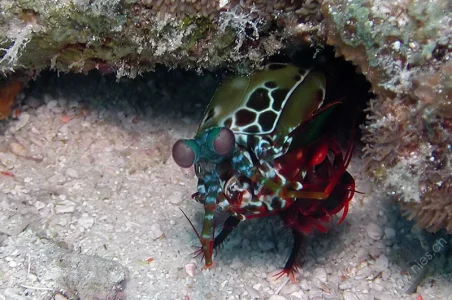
183	155
224	142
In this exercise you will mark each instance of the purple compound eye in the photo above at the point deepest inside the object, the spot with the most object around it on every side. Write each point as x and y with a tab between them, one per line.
183	155
224	142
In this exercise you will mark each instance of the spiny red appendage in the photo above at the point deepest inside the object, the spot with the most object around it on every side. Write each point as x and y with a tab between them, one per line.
289	272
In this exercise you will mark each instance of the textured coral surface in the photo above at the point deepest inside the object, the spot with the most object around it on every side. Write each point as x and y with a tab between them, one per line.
129	37
404	48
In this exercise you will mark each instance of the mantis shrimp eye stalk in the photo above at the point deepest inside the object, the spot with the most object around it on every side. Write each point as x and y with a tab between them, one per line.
224	142
183	155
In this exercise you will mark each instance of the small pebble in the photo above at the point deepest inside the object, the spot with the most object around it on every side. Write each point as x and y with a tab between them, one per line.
363	273
362	253
60	297
236	263
12	264
376	287
54	107
73	104
18	149
375	252
390	233
86	221
8	160
254	294
57	110
315	294
382	263
223	284
155	232
374	231
33	102
50	103
64	129
39	205
190	269
23	120
289	288
320	274
32	277
64	207
72	173
277	297
86	124
321	259
346	284
386	274
62	221
350	296
384	296
298	295
104	193
305	285
265	245
176	198
62	102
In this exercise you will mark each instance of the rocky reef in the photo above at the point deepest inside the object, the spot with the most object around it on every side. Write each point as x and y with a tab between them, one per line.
403	47
130	37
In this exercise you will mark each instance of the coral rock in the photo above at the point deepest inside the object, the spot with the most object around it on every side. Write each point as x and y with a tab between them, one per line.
404	48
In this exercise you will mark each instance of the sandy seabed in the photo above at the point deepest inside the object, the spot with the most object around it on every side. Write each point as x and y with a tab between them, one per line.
90	203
